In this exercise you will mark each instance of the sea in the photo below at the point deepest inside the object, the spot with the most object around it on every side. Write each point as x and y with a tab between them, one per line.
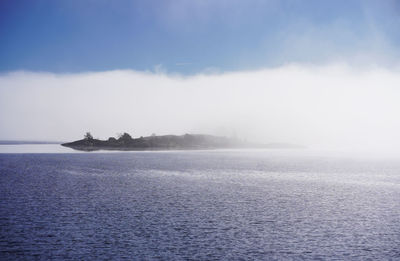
277	204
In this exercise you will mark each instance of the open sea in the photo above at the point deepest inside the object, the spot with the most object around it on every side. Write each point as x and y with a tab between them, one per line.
197	205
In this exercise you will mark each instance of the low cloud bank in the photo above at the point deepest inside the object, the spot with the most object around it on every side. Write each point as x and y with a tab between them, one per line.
325	106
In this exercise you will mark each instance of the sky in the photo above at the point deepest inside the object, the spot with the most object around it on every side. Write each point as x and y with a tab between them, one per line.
318	73
190	37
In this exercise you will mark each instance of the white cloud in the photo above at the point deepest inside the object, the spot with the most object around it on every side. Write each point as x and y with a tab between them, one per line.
334	105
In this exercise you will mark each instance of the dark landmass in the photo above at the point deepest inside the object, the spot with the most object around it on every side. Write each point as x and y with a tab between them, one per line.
165	142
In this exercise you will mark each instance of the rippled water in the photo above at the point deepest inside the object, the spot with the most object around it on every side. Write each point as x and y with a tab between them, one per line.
198	205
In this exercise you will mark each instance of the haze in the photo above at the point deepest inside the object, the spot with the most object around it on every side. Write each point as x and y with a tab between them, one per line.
334	105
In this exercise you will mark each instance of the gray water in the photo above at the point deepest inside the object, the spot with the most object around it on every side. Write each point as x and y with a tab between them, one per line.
199	205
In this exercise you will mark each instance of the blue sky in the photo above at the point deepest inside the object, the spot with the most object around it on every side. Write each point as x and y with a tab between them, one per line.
189	37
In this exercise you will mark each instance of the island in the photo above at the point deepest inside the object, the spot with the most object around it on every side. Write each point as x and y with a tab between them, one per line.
164	142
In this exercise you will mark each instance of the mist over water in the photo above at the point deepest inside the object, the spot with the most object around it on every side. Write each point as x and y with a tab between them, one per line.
328	106
316	82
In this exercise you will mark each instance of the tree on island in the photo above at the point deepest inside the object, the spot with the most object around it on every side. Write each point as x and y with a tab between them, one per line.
88	136
112	139
125	137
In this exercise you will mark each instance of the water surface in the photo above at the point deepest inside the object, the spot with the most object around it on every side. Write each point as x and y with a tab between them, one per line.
198	205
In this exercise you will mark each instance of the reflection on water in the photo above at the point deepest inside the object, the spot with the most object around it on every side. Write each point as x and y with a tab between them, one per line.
202	205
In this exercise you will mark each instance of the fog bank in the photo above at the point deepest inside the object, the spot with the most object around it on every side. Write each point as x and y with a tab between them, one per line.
324	106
